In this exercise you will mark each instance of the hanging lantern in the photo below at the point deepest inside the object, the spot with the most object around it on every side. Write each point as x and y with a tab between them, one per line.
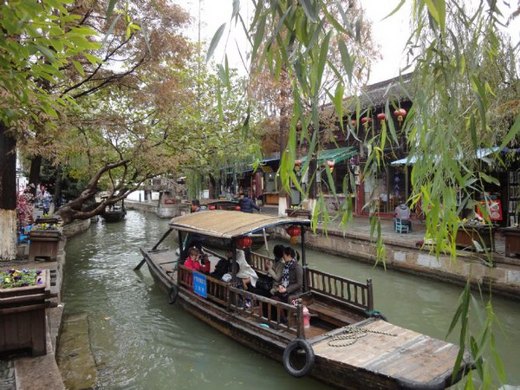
244	242
294	231
330	164
400	113
381	117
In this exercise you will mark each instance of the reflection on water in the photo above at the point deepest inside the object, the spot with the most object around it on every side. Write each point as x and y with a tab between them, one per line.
139	341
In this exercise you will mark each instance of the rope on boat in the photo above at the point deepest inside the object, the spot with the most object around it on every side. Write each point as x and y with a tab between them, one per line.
351	334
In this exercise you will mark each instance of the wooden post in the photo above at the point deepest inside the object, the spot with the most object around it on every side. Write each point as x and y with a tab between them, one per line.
370	295
299	319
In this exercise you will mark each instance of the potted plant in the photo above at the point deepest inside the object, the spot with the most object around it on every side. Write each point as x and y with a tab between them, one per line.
24	296
45	237
476	233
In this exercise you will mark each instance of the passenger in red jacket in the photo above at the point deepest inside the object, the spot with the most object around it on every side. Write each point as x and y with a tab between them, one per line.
193	261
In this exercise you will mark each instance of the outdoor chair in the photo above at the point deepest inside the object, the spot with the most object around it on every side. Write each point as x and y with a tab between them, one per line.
401	226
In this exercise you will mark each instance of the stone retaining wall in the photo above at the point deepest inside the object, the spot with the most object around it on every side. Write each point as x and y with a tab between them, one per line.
504	277
165	211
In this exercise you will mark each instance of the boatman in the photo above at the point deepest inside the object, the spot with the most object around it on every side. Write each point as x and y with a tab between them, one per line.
247	204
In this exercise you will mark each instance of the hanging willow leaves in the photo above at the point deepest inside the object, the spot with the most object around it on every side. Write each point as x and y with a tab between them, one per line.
455	89
215	41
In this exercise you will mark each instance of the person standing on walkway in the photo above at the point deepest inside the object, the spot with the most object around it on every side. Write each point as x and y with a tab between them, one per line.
247	204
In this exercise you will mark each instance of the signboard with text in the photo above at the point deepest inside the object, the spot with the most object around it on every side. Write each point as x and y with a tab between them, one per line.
199	284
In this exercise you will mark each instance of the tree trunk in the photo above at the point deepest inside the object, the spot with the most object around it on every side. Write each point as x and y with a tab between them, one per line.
212	187
7	194
34	174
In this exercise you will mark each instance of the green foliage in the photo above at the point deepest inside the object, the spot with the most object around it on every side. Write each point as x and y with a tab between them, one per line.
214	136
35	49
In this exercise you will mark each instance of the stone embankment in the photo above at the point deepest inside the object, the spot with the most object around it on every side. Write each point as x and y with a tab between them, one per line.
42	373
403	253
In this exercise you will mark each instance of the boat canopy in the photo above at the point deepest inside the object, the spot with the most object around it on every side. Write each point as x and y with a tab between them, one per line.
230	224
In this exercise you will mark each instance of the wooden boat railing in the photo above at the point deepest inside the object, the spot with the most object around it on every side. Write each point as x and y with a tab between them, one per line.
274	314
351	292
357	294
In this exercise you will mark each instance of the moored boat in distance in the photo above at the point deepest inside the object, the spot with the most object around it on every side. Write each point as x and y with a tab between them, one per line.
114	213
330	331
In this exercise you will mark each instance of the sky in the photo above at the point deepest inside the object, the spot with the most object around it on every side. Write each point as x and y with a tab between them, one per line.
390	34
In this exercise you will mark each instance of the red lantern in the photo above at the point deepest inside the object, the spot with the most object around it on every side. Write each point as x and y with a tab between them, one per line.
400	113
294	231
381	117
244	242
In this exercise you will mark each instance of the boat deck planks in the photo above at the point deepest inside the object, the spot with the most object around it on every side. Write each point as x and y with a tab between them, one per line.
165	259
334	315
399	353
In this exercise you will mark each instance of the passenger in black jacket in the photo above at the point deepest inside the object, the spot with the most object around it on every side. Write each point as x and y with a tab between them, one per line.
247	204
225	266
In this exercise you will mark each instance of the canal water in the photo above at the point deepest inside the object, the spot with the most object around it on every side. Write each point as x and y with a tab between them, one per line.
139	341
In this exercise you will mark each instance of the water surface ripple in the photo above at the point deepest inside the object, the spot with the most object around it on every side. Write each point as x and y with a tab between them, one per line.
139	341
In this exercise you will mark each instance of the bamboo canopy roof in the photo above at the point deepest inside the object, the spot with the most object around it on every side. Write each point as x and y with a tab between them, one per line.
230	224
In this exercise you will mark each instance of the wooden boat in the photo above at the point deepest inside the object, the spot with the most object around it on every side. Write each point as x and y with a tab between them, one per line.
114	213
331	332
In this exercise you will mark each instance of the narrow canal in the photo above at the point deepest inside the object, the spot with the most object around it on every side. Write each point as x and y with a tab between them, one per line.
139	341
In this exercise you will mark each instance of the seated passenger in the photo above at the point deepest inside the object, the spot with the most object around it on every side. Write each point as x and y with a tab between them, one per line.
193	260
225	266
292	277
275	269
245	272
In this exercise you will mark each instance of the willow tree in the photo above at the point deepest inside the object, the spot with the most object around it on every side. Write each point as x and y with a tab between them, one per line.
214	135
455	49
352	45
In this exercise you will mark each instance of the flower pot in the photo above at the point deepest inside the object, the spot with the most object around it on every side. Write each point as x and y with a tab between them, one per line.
44	244
483	235
22	318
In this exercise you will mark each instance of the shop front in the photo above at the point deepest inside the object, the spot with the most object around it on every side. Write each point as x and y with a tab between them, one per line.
341	162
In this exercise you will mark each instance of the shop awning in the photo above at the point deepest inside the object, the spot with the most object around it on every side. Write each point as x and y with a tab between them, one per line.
244	167
337	155
481	154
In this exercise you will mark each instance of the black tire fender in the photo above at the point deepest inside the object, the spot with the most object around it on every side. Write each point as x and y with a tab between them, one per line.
293	346
172	294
